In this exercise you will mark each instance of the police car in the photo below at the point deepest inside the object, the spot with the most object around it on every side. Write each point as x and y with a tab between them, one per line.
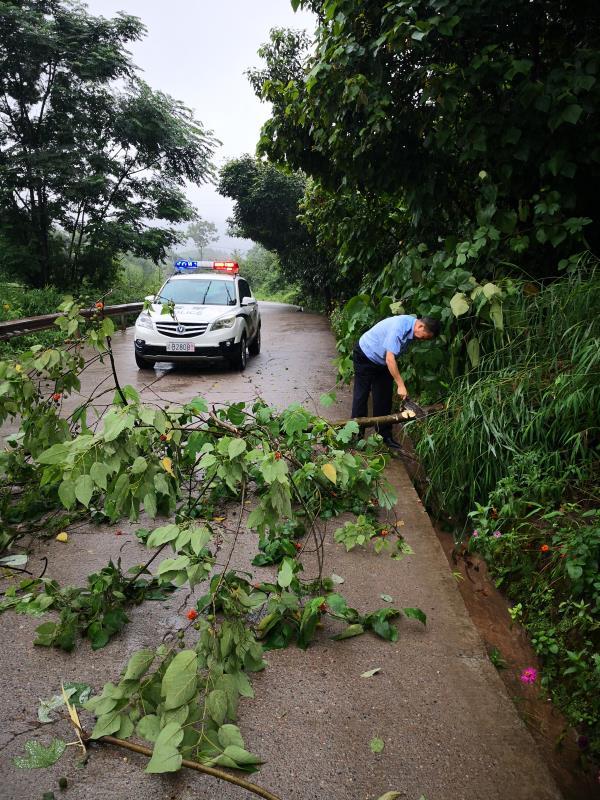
213	317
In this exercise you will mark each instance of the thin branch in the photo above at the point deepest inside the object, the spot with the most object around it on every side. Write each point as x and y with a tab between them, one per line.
215	773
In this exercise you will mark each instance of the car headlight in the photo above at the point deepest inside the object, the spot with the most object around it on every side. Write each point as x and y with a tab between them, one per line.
226	322
144	321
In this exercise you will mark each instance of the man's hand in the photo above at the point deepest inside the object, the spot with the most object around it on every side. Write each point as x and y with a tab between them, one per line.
402	391
390	360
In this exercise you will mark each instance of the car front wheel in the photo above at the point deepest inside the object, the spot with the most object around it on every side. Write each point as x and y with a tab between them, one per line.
254	347
240	360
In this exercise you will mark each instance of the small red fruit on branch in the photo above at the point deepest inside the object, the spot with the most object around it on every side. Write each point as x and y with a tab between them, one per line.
277	455
100	305
192	614
56	397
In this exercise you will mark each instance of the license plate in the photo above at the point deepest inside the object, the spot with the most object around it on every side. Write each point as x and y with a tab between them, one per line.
180	347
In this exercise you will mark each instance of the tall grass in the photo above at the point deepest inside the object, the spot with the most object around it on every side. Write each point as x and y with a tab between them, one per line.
538	393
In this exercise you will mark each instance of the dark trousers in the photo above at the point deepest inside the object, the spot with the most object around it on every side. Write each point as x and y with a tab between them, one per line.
370	377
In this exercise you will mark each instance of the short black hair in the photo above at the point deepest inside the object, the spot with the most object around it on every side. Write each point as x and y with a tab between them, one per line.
432	325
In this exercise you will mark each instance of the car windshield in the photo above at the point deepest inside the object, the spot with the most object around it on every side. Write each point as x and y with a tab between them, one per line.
198	292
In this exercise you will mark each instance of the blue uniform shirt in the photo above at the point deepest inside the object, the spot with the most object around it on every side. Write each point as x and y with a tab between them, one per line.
393	334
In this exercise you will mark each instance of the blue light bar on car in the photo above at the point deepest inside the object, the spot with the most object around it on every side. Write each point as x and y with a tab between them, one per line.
189	266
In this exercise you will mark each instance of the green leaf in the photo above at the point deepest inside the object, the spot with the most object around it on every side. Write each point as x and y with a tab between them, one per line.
459	304
572	113
138	664
56	454
84	486
66	493
126	727
240	756
415	613
349	430
349	632
165	756
376	744
150	506
162	535
180	681
393	796
149	727
327	400
286	573
14	560
230	735
107	724
115	422
198	405
496	316
99	473
473	351
39	756
491	290
388	598
236	448
216	705
139	465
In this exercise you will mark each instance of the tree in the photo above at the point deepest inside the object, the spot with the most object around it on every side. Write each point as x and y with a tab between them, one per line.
471	131
261	267
266	210
203	233
90	155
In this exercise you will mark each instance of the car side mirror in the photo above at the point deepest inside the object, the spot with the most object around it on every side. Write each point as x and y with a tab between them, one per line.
150	298
248	301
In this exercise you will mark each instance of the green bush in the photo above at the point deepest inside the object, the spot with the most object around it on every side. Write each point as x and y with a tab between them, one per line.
537	397
550	568
515	458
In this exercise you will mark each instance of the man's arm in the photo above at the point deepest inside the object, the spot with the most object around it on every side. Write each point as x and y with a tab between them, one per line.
390	360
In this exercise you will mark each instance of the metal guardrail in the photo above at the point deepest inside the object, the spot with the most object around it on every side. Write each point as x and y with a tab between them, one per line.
20	327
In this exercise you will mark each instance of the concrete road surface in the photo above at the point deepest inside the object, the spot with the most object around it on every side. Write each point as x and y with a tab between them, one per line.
449	728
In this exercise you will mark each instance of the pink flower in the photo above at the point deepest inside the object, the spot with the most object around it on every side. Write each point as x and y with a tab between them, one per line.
475	534
496	534
528	675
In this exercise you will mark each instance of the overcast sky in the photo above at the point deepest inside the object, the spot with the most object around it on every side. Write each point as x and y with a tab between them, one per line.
197	51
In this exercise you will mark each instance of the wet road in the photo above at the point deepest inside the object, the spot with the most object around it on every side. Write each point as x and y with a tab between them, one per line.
294	365
450	730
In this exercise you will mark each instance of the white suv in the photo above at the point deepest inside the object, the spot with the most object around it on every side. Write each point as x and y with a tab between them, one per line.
214	317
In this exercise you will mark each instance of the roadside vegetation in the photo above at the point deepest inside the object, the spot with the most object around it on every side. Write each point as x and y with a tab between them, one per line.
449	166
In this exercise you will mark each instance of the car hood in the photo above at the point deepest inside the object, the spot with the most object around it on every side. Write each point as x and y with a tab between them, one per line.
193	313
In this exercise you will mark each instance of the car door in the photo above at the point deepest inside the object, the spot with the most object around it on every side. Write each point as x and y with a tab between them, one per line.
251	311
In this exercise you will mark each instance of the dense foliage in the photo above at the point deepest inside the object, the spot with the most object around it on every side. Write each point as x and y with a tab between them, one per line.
90	156
441	142
518	449
266	210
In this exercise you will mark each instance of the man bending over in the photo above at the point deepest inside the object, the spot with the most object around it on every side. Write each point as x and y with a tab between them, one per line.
375	367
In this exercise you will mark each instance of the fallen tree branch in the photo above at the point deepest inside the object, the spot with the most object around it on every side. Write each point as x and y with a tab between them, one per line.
390	419
215	773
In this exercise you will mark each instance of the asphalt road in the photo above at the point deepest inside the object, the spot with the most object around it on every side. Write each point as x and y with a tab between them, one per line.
449	728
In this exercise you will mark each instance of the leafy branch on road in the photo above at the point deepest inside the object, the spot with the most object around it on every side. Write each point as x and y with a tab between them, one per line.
285	475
